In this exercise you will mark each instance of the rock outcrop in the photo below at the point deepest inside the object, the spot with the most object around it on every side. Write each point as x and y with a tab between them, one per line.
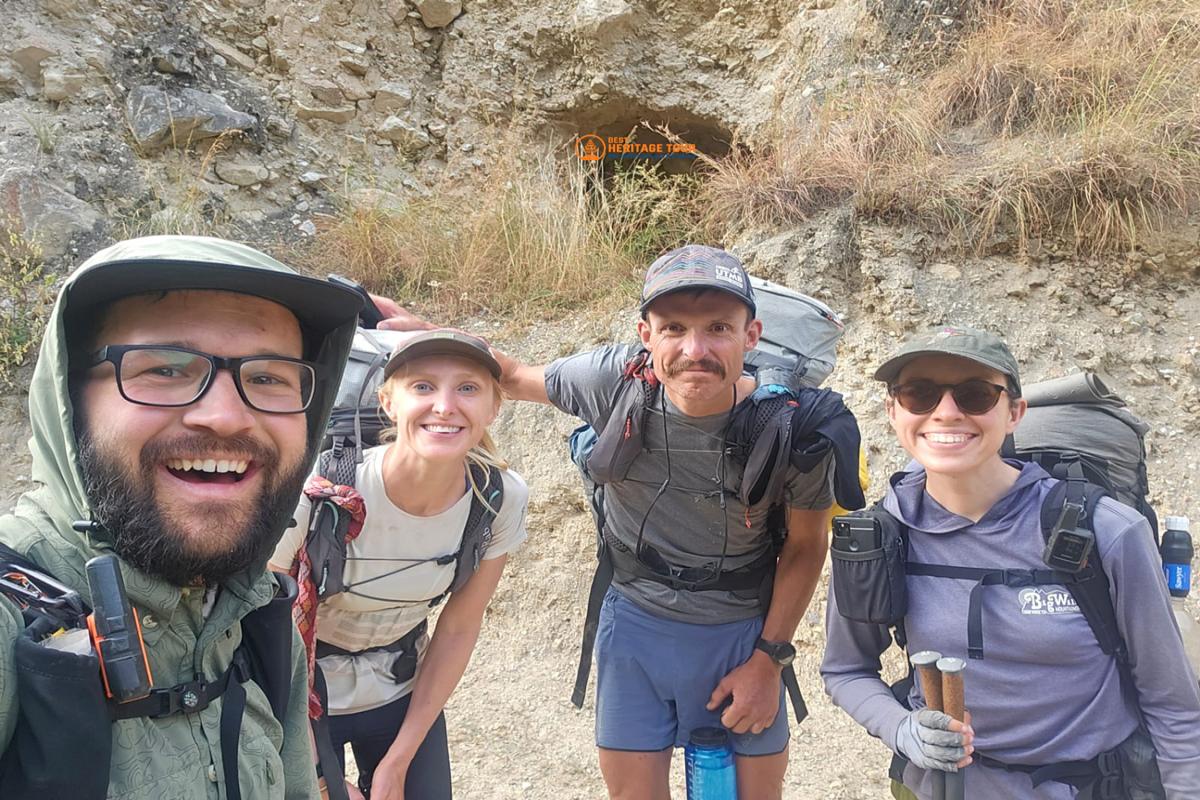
158	118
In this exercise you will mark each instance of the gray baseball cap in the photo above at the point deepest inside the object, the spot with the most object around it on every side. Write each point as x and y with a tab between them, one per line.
442	343
697	266
970	343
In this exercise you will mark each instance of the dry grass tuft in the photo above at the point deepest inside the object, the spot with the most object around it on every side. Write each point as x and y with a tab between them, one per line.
26	296
1076	119
182	205
537	237
777	184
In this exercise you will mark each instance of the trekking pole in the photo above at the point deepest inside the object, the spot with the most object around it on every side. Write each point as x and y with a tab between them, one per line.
954	705
925	662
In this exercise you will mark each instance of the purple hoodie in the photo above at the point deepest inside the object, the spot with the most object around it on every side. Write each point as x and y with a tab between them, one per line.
1044	691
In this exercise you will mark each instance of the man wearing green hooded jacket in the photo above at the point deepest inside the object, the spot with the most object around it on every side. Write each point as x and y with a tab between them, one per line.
180	394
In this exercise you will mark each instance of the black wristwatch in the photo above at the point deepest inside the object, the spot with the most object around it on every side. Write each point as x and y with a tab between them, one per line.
782	653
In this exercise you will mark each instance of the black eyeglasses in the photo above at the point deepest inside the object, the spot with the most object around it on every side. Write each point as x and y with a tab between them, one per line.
168	376
974	397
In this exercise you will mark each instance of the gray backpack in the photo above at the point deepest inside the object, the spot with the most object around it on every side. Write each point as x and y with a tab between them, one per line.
800	335
356	420
1078	418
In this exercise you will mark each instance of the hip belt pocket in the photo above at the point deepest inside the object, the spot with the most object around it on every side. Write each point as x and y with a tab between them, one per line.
868	568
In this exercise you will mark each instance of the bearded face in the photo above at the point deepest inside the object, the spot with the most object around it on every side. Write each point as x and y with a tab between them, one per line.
196	492
187	545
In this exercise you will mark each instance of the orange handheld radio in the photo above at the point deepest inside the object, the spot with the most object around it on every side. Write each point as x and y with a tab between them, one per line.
116	633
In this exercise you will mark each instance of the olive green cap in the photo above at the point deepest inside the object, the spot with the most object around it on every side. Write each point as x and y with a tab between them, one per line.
969	343
442	342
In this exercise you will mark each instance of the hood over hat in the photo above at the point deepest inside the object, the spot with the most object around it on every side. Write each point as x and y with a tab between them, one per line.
41	522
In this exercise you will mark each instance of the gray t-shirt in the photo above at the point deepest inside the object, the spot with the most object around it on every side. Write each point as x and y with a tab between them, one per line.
686	524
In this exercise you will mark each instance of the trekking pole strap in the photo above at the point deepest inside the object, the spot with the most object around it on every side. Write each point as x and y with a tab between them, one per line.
799	708
601	580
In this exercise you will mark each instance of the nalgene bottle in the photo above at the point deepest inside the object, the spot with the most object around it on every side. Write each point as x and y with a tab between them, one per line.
708	761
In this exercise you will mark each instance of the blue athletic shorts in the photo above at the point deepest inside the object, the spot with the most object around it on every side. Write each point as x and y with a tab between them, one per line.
654	677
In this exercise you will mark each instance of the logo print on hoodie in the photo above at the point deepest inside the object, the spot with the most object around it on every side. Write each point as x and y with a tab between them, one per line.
1036	601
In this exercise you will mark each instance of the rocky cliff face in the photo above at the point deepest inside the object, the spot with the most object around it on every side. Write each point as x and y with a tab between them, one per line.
303	98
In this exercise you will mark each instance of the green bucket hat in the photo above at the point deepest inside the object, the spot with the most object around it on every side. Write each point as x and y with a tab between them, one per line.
168	263
969	343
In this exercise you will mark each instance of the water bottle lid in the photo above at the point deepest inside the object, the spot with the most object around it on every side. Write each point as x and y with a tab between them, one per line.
1177	523
709	737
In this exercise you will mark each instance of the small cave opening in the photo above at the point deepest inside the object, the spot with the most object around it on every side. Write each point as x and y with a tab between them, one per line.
620	133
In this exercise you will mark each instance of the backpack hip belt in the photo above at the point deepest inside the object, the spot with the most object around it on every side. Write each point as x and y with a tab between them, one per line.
1105	774
1128	770
404	666
749	577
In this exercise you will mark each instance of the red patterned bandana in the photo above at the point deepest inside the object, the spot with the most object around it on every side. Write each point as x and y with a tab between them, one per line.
304	610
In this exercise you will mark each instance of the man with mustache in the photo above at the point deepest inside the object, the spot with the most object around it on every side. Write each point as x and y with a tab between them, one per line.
687	636
180	394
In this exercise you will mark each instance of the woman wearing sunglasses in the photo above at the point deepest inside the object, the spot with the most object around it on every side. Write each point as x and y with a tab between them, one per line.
1044	693
387	680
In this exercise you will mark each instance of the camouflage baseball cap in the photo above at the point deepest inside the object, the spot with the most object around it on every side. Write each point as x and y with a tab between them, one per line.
976	345
696	266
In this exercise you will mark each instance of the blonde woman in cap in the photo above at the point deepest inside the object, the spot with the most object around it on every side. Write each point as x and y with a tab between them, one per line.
437	477
1049	716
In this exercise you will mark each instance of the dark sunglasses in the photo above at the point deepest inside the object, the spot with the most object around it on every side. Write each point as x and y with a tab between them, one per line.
974	397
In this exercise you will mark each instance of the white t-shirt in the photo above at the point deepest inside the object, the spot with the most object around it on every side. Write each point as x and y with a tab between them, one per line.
380	607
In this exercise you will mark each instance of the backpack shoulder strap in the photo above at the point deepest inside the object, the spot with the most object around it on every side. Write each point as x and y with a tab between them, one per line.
621	440
1090	588
12	561
761	434
9	556
325	545
899	634
267	644
477	533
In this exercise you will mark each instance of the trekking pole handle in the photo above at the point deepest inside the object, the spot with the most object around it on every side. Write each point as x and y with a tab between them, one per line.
370	316
954	705
925	662
952	686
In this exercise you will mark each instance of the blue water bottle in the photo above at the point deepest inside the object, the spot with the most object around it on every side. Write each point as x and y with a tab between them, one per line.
1176	551
708	761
